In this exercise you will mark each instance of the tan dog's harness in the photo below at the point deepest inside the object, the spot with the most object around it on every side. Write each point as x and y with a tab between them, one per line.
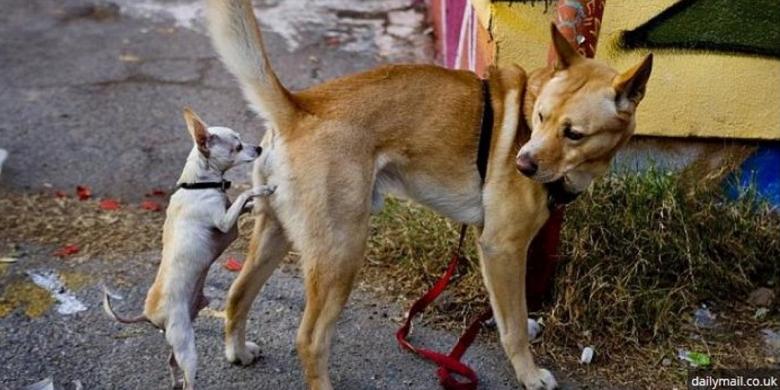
451	364
557	197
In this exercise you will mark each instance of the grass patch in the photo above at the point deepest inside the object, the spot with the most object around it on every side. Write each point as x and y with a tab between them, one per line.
640	253
653	247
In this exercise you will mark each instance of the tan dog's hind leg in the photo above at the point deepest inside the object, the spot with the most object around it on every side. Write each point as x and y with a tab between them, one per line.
329	273
267	248
502	247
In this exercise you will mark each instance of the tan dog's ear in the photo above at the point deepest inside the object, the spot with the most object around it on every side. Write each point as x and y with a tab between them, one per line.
198	130
630	86
566	54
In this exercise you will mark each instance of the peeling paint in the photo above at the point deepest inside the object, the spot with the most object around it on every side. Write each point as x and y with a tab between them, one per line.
358	26
74	281
49	280
183	14
34	300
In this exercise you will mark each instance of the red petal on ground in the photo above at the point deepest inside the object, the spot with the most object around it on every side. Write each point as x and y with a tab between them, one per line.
67	250
83	192
332	41
156	192
109	204
60	194
150	205
232	264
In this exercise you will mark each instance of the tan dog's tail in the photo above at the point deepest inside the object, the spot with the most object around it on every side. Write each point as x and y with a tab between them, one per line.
237	39
110	311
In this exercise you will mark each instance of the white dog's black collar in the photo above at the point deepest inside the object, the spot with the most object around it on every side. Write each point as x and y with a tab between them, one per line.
223	185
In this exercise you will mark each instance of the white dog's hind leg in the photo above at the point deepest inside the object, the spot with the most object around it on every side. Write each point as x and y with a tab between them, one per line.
173	367
181	337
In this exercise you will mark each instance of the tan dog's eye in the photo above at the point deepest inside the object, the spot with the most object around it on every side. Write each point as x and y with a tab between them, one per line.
541	117
572	134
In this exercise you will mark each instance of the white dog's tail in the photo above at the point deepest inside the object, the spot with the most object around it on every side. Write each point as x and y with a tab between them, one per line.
237	39
110	311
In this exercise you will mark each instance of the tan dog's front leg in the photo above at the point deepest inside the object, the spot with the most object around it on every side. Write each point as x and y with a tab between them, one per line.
503	261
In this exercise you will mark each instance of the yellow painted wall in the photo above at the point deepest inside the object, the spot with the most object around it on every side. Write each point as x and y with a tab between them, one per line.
690	93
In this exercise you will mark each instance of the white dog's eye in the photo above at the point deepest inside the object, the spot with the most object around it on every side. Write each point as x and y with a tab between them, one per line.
239	147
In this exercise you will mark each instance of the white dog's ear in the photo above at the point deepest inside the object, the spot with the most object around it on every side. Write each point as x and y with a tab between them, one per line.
198	130
566	54
630	86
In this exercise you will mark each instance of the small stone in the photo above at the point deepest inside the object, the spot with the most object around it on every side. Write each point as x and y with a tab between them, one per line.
128	57
761	297
772	343
446	302
703	318
3	156
760	313
534	329
587	355
409	18
666	362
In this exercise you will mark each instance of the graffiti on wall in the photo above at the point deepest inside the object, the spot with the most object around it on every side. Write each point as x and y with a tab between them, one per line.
711	56
728	26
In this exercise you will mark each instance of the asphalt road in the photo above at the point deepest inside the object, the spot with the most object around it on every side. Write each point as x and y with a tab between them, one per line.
91	93
90	348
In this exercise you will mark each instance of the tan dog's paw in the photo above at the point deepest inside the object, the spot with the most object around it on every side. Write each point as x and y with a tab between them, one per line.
543	379
243	356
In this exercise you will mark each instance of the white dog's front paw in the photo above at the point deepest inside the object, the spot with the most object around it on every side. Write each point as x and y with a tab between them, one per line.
541	379
264	190
244	356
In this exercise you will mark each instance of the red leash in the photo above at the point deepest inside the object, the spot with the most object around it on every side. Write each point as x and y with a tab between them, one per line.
448	364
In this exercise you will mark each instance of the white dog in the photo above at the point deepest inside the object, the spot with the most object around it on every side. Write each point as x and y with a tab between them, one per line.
200	224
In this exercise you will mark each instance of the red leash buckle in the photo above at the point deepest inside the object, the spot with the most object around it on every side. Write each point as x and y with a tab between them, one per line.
448	364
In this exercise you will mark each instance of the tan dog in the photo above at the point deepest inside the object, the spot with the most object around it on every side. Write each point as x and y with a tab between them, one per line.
335	149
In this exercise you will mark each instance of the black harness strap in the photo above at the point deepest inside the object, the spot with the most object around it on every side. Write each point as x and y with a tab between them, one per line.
223	185
486	132
557	194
